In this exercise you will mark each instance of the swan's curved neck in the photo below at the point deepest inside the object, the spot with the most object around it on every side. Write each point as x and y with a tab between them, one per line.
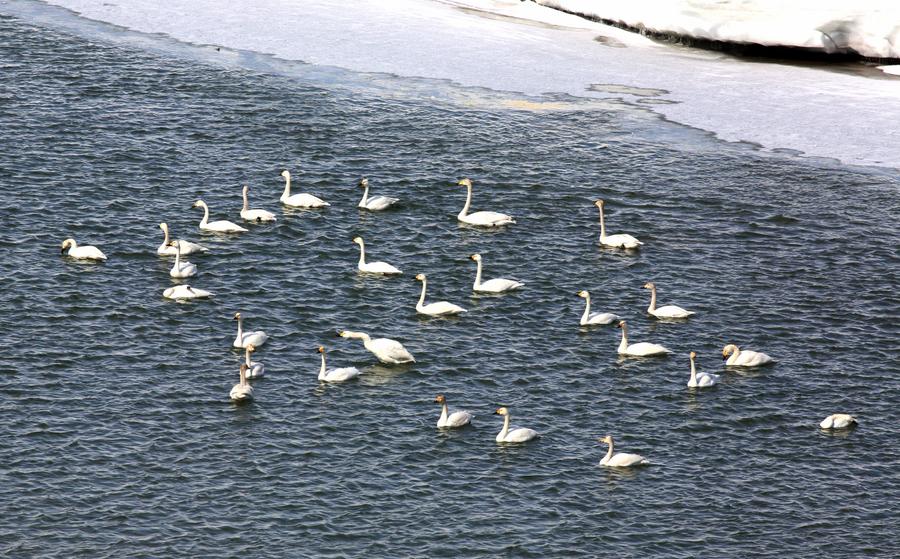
362	254
365	198
246	202
243	377
693	371
734	355
166	233
240	332
623	345
652	306
602	225
422	296
587	310
478	274
247	356
322	369
609	453
505	430
444	412
205	219
465	209
177	256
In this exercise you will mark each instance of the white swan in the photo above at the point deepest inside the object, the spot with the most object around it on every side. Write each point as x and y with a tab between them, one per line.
621	240
733	356
299	200
619	459
372	267
496	285
450	420
254	215
335	375
667	311
181	269
588	319
700	380
440	308
386	350
243	339
375	203
513	434
641	349
485	219
86	252
187	247
242	391
185	292
255	369
221	226
838	421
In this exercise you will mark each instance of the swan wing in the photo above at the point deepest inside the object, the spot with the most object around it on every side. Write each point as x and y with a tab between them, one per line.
520	435
256	370
304	201
441	307
224	226
241	392
490	219
258	215
379	268
257	338
392	350
671	311
87	252
837	421
602	318
645	348
753	359
625	459
621	240
381	203
499	285
342	374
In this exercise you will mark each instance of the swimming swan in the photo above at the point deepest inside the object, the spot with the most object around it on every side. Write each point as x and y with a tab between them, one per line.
496	285
242	391
187	247
181	269
619	459
700	380
254	215
668	311
641	349
180	292
838	421
86	252
375	203
440	308
243	339
513	434
733	356
221	226
335	375
588	319
299	200
621	240
255	369
450	420
386	350
372	267
485	219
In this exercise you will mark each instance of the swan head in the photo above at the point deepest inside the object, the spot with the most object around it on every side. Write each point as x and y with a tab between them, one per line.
244	368
501	411
66	244
237	316
693	355
649	285
728	350
363	182
320	349
251	348
164	226
286	174
198	204
358	240
621	324
583	294
245	189
465	182
439	399
476	257
420	277
598	203
605	440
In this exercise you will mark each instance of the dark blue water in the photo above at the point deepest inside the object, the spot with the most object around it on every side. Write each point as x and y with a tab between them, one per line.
119	437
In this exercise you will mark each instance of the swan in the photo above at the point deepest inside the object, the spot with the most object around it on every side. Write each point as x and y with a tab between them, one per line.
621	240
185	292
700	380
588	319
335	375
242	391
733	356
386	350
440	308
619	459
838	421
181	269
254	215
514	434
299	200
450	420
86	252
187	247
373	267
243	339
376	202
486	219
255	369
221	226
668	311
641	349
496	285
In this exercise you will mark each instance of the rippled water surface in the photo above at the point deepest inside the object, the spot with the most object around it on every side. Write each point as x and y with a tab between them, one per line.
120	439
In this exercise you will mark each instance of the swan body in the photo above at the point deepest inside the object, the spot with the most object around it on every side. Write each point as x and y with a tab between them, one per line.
620	459
86	252
589	319
254	215
243	339
838	421
186	247
641	349
386	350
441	308
700	380
382	268
668	311
181	269
496	285
185	292
335	375
242	391
221	226
255	369
451	420
484	219
621	240
299	200
513	434
376	203
733	356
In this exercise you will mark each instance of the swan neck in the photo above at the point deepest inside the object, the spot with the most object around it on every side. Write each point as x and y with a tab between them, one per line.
465	209
734	356
322	369
246	202
587	310
609	453
243	377
444	412
623	345
693	371
166	239
287	187
247	357
505	430
365	198
602	225
478	275
652	306
362	254
205	219
422	296
177	256
240	332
